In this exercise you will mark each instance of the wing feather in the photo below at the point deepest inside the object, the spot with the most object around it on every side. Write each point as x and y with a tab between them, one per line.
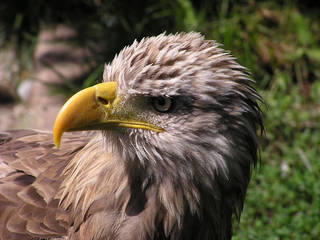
30	176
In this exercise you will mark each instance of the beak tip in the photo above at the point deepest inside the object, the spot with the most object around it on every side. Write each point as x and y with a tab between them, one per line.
57	135
57	141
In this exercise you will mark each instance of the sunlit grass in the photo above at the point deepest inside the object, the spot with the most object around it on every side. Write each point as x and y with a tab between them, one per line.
283	201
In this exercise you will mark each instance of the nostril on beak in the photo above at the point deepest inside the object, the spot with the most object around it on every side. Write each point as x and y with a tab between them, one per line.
103	100
106	93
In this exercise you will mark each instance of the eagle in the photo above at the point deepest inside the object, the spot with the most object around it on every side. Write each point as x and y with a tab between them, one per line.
163	148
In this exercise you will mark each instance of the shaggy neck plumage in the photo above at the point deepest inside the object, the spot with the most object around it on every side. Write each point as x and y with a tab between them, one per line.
168	188
190	187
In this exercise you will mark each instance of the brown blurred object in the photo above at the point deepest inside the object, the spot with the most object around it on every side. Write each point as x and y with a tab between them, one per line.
58	60
8	69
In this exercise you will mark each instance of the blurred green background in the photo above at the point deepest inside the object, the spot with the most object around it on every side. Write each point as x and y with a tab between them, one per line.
278	41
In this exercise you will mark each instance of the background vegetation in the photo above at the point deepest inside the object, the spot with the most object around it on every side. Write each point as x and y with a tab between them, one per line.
279	41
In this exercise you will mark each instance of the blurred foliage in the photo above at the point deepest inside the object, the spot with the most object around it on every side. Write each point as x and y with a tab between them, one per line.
283	200
279	42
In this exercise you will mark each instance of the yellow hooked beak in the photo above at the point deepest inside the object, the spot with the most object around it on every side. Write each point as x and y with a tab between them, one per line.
96	108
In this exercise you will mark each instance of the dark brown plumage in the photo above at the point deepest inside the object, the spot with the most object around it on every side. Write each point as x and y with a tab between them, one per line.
178	121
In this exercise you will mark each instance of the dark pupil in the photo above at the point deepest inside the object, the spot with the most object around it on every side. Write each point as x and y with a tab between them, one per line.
161	101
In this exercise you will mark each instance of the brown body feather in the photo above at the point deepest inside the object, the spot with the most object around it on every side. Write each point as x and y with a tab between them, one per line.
30	175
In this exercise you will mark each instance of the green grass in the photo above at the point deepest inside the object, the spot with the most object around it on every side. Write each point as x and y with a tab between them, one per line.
283	200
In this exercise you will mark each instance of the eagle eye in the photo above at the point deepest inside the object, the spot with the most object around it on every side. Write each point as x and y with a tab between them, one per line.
162	104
